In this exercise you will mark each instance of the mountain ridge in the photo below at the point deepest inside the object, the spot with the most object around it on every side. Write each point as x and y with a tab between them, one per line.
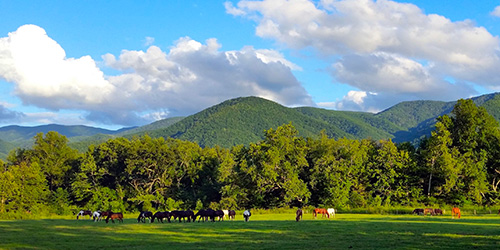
243	120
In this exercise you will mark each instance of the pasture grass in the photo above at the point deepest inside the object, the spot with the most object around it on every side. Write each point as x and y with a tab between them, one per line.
264	231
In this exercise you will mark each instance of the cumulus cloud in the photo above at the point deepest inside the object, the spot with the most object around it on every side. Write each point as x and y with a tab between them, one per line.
152	84
496	12
383	46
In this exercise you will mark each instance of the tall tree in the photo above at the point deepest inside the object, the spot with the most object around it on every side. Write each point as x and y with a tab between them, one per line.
55	158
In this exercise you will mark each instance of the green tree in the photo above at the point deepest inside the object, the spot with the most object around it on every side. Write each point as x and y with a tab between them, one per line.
274	166
55	158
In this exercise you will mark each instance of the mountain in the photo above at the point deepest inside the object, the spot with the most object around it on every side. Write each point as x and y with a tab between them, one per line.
243	120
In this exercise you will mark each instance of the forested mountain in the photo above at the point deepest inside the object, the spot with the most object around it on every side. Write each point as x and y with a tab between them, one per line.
243	120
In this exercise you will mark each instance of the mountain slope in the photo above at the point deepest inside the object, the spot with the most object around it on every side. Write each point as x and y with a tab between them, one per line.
243	120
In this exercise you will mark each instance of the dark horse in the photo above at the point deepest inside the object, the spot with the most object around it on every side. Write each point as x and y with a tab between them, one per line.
143	215
232	214
160	216
298	215
182	215
219	214
418	211
115	216
204	215
438	211
83	213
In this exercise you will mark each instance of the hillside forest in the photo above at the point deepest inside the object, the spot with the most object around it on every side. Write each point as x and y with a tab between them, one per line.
459	164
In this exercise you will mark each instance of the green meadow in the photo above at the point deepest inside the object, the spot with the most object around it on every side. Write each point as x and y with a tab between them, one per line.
264	231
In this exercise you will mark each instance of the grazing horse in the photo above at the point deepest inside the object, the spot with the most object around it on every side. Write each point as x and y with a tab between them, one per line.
115	216
331	212
83	213
429	211
143	215
438	211
96	216
298	215
247	215
455	212
232	214
182	215
219	214
418	211
205	215
322	211
105	214
160	216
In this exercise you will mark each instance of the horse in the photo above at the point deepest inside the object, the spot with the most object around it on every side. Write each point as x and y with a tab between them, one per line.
143	215
105	214
298	215
96	216
418	211
160	216
205	215
232	214
247	215
115	216
429	211
182	215
331	212
322	211
455	211
220	214
438	211
83	213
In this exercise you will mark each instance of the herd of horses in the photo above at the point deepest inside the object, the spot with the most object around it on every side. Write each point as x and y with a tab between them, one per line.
181	215
455	212
219	215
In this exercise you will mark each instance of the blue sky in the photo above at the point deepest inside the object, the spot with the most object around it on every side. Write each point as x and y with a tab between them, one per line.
126	63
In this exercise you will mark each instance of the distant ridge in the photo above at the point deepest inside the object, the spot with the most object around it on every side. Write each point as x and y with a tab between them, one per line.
243	120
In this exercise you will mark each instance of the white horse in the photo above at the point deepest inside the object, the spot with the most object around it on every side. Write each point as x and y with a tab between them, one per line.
331	212
96	216
226	213
247	215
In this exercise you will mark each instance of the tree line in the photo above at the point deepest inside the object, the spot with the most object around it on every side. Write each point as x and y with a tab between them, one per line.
457	164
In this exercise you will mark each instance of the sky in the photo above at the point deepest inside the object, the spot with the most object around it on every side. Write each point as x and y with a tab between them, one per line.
115	64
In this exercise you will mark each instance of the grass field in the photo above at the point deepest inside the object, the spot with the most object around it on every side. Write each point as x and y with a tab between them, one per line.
269	231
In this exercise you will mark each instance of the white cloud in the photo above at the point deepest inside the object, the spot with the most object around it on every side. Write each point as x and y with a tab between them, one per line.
189	77
44	76
148	41
496	12
383	46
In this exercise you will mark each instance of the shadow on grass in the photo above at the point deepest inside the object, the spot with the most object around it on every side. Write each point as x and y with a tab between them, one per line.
365	233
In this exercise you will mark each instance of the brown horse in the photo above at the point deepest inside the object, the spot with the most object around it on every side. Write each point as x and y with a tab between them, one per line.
115	216
429	211
322	211
298	214
438	211
455	212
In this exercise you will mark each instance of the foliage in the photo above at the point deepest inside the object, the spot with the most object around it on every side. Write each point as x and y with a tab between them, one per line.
457	164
